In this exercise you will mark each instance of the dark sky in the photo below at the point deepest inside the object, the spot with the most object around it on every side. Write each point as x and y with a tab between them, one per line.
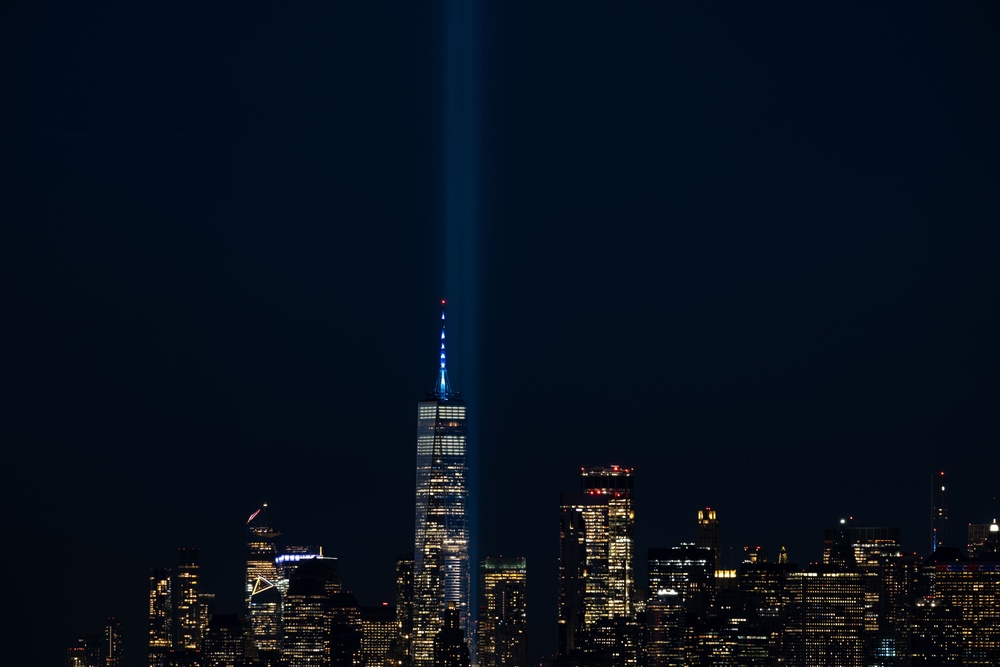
749	251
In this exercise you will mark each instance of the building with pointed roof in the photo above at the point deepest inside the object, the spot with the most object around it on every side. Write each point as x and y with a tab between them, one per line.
441	568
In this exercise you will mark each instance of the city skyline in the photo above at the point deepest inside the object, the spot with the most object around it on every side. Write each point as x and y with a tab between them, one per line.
748	252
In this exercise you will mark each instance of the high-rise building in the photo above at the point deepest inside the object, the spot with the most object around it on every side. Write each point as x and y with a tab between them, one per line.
188	616
709	534
378	634
441	568
665	629
825	611
399	652
687	569
263	597
305	640
596	564
161	617
939	512
502	612
972	588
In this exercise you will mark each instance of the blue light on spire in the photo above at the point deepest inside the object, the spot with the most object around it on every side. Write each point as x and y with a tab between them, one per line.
443	388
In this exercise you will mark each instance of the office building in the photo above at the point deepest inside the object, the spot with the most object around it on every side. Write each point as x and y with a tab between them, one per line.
188	616
305	639
441	568
596	565
825	610
263	597
972	588
378	634
709	534
227	642
687	569
502	613
161	617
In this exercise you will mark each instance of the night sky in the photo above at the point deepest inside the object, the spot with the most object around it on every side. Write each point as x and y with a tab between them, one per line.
750	251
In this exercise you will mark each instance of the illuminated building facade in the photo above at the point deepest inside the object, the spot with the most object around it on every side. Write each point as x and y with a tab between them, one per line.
305	638
227	642
665	629
972	588
188	615
687	569
709	534
441	568
263	597
825	617
596	563
872	547
502	613
161	617
378	634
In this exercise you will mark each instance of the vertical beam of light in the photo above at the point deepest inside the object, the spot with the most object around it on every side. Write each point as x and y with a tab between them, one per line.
461	232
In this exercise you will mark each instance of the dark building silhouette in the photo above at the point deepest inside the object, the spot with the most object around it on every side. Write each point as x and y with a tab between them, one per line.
450	648
709	534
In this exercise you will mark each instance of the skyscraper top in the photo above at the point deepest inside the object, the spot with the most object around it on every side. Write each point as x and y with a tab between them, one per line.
442	389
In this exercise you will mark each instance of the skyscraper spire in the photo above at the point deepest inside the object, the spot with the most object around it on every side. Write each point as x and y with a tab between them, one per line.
443	387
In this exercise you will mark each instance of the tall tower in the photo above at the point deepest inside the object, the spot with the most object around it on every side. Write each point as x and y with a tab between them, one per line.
441	573
161	617
939	512
710	534
187	607
596	580
263	598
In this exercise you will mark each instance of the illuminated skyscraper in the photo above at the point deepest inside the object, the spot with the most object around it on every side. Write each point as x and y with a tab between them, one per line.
502	613
263	598
161	617
441	572
187	604
825	611
596	578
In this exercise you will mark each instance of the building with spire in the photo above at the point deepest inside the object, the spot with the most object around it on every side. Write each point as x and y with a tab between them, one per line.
441	568
263	598
939	512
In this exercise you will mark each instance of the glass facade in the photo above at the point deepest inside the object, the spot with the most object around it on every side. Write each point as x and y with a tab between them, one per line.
441	570
263	597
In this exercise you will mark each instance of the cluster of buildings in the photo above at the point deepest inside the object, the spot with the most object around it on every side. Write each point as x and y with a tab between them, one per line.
866	604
